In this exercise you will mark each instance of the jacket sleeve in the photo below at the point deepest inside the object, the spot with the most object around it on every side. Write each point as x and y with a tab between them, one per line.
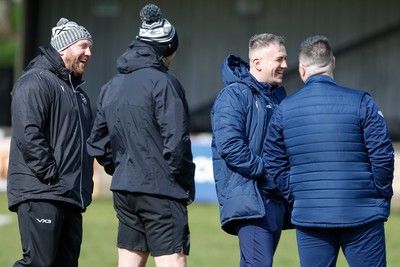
228	126
31	111
98	144
379	145
171	112
275	157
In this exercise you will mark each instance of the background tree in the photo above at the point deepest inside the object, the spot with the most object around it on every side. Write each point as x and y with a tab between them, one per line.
5	25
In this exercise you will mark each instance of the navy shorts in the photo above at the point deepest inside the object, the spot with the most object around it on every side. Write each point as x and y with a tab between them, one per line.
151	223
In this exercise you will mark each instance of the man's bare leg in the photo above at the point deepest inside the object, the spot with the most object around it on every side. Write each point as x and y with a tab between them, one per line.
132	258
172	260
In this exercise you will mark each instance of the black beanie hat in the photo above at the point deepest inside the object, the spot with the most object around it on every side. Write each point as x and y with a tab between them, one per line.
157	31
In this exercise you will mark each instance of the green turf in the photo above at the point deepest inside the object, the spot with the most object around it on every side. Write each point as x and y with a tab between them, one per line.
210	246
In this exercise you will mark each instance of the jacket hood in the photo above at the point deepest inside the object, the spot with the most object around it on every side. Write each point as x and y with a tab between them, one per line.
236	70
139	55
50	59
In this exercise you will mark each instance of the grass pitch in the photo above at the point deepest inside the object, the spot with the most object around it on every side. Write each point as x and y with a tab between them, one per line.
210	246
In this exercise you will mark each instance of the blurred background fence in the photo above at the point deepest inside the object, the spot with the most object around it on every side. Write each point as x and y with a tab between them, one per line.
205	187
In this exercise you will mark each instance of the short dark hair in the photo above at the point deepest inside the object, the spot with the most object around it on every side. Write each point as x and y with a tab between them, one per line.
315	50
264	39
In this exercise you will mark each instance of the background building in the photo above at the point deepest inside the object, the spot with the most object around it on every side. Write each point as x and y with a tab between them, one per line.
365	36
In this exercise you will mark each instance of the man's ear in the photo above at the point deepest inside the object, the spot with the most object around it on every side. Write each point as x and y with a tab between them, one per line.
256	63
302	71
333	63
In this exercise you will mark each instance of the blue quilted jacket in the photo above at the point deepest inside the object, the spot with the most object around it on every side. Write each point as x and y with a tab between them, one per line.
239	121
329	150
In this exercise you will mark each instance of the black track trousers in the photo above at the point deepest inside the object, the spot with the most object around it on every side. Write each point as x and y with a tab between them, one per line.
51	234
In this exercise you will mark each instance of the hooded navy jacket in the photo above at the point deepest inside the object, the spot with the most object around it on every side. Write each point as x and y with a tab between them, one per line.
140	134
329	150
239	120
51	119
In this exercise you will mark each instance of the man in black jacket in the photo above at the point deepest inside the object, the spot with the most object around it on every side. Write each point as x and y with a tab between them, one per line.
50	172
141	137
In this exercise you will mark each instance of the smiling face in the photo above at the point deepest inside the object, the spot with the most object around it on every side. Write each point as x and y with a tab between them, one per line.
269	64
76	56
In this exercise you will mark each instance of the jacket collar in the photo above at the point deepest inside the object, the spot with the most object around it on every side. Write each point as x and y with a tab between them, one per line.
234	69
139	55
319	78
57	65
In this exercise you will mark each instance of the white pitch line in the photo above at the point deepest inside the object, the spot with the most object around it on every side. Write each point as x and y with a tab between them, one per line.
5	219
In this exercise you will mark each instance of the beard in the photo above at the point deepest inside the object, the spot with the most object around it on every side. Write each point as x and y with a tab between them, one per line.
73	63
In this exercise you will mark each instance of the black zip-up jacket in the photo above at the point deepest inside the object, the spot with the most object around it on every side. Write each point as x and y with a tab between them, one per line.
140	134
51	119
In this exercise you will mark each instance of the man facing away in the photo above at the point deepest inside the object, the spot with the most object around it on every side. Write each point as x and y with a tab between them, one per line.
250	208
50	172
141	137
329	150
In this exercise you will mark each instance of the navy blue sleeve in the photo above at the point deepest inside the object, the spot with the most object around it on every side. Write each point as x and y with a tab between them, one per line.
275	158
378	144
228	125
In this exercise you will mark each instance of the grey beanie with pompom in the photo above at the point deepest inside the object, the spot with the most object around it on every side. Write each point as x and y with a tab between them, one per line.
157	31
66	33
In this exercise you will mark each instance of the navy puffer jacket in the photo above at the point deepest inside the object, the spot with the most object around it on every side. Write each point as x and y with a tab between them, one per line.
239	121
330	151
